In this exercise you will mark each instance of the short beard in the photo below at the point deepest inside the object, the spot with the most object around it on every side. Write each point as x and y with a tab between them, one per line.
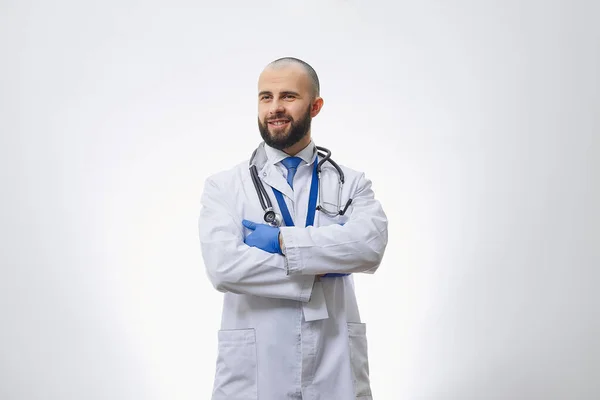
297	131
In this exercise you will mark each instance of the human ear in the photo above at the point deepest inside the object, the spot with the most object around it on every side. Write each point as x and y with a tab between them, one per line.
316	107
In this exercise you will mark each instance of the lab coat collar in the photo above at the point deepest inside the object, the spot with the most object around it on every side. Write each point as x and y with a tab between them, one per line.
266	159
275	156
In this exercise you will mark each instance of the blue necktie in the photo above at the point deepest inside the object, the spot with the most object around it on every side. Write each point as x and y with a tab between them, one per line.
291	163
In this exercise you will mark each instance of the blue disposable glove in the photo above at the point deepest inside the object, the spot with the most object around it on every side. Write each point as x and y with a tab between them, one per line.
265	237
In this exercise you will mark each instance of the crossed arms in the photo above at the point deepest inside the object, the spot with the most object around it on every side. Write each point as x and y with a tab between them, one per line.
233	266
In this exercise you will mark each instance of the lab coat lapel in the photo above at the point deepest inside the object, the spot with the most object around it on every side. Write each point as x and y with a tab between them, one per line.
272	177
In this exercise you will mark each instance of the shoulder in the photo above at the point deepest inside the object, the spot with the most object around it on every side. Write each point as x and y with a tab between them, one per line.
350	174
228	177
356	180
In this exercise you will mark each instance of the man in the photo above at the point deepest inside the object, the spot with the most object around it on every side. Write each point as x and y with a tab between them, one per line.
290	326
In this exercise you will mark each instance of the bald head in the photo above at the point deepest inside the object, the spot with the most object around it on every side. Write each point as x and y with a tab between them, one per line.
310	72
288	99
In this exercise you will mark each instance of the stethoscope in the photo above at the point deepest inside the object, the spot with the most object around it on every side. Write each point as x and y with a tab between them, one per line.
274	219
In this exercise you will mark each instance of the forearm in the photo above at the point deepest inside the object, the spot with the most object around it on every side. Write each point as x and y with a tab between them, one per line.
233	266
358	246
248	270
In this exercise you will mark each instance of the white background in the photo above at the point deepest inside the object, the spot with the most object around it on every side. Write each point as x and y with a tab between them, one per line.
478	122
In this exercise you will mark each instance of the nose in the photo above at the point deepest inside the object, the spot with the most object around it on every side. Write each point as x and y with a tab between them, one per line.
276	107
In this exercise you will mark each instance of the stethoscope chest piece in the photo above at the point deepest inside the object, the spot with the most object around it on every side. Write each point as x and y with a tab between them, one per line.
272	218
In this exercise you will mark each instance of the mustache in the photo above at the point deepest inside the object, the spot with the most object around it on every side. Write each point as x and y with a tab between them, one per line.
279	116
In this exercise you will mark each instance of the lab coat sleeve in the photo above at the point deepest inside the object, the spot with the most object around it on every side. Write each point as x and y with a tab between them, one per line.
356	246
233	266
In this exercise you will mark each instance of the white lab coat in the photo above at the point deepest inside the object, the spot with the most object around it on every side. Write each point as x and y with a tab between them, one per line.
284	333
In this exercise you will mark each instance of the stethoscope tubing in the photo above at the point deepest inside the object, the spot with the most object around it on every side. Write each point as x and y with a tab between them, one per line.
325	155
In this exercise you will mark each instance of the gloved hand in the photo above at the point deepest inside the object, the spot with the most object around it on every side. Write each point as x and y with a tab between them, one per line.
265	237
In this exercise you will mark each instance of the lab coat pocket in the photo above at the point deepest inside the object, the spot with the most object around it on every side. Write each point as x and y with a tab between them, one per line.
236	374
357	338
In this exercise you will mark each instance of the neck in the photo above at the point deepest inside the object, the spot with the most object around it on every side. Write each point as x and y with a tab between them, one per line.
299	146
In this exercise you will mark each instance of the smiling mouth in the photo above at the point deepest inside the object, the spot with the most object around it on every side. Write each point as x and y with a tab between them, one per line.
279	123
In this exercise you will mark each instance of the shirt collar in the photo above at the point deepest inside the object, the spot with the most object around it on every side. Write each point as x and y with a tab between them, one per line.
307	154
